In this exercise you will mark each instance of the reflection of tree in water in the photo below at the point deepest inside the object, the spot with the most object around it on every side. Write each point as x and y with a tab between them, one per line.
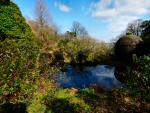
120	73
80	78
100	75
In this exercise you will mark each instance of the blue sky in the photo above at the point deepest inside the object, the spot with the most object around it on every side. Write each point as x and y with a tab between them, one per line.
103	19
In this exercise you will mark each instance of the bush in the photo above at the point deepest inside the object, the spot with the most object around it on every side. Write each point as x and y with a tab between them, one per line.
12	23
139	78
140	73
81	51
17	69
18	56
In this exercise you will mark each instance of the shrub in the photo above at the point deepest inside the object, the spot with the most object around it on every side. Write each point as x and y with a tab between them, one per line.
18	55
82	51
140	73
17	69
12	23
139	78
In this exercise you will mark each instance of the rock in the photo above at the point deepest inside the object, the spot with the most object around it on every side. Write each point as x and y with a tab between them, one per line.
126	46
126	52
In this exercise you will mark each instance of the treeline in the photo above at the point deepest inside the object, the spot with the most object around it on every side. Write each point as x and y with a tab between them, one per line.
74	47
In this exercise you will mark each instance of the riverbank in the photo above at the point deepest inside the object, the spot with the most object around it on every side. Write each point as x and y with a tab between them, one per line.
89	100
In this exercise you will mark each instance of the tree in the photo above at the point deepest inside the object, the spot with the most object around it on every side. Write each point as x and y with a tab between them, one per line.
145	48
43	22
145	29
79	30
135	27
69	34
43	16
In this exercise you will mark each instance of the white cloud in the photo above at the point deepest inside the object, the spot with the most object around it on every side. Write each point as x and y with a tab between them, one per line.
62	7
118	13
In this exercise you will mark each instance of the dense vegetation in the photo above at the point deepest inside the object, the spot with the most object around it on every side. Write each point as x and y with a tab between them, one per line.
30	57
18	55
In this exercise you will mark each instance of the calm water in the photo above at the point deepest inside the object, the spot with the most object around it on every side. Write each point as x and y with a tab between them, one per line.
100	75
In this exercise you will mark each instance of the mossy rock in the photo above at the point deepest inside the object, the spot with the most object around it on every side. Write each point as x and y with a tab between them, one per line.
126	46
129	40
12	23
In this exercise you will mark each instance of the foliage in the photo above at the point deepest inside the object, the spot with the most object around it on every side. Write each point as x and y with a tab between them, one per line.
79	30
43	26
18	56
44	85
89	100
87	92
139	76
70	35
146	37
82	51
18	69
48	65
59	101
146	29
26	69
14	26
135	27
73	51
128	102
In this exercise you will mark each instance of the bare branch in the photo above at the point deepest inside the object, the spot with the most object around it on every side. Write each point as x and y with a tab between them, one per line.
43	16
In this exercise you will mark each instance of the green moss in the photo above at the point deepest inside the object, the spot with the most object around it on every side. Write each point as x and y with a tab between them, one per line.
129	40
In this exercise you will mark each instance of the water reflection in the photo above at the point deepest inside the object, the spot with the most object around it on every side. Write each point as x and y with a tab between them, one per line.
100	75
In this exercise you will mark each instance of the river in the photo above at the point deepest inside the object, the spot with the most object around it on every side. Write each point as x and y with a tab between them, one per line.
100	75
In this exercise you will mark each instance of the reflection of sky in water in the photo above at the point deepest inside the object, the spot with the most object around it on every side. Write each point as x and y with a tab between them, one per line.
100	75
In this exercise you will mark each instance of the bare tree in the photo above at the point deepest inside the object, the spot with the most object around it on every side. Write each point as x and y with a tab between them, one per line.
43	16
79	30
43	25
135	27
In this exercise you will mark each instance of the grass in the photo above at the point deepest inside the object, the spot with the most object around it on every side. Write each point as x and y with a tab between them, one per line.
89	100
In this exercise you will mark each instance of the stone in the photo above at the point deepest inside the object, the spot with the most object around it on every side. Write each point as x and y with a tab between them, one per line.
126	46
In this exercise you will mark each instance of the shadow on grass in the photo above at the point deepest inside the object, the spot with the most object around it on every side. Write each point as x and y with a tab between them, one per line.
13	108
62	106
116	101
100	101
